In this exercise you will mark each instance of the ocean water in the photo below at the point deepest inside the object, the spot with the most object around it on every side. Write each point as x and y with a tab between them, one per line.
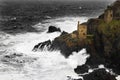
19	62
19	16
41	65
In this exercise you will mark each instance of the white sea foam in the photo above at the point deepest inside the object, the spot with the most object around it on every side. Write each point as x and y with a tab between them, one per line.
118	77
78	58
47	66
68	24
42	65
101	66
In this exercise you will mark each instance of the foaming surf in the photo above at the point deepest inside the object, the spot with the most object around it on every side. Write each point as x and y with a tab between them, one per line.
19	62
118	77
68	24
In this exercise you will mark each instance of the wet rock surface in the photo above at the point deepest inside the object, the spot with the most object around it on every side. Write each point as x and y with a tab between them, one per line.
99	74
53	29
42	45
103	49
81	69
66	47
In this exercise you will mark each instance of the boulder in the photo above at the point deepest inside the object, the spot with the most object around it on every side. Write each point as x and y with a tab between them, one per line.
53	29
63	33
81	69
99	74
42	45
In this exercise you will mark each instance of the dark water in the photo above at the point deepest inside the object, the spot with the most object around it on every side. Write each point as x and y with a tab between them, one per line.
21	15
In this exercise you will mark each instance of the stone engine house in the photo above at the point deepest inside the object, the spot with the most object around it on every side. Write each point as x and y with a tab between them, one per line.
81	31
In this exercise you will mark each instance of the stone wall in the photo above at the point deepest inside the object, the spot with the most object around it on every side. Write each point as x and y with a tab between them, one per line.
82	31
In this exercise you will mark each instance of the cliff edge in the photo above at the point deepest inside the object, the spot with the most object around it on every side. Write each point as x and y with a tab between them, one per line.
100	36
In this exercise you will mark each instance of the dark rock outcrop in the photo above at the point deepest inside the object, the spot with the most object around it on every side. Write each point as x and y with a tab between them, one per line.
105	46
81	69
107	43
49	44
65	43
63	33
92	62
53	29
42	45
99	74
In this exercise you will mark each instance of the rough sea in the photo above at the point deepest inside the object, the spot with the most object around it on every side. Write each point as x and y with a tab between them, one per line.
19	62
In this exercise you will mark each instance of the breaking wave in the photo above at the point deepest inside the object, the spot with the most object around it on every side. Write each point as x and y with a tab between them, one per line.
19	62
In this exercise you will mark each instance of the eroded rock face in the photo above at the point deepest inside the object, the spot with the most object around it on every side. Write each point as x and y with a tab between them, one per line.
65	43
50	45
106	36
81	69
104	49
42	45
53	29
99	74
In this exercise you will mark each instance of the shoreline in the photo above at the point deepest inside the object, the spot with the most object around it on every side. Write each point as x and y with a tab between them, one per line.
99	46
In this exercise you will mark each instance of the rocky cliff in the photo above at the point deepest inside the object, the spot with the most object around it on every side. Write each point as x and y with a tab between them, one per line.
102	42
106	40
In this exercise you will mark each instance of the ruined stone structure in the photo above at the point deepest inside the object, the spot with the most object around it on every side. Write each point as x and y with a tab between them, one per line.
82	31
108	15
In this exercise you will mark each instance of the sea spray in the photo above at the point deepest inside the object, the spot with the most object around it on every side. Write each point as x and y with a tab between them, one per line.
68	24
41	65
118	77
46	66
78	58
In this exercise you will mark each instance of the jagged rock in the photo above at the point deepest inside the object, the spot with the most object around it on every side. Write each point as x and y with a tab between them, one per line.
63	33
42	45
99	74
49	44
53	29
95	61
105	47
106	38
64	43
81	69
